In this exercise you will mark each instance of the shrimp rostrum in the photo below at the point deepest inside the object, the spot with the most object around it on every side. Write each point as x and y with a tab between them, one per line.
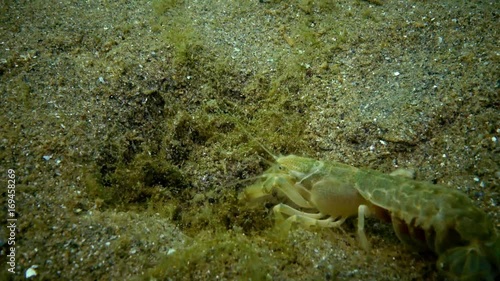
424	215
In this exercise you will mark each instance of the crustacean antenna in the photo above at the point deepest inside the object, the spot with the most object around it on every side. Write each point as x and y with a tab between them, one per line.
243	128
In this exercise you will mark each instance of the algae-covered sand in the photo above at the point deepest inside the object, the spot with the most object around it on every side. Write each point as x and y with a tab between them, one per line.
132	126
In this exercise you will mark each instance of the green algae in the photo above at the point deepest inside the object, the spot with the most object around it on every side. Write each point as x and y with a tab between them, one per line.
224	255
160	7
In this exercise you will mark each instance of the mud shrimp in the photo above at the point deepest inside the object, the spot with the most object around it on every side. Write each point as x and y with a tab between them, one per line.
423	215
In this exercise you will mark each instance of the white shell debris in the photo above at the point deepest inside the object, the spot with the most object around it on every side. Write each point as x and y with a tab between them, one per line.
47	157
30	272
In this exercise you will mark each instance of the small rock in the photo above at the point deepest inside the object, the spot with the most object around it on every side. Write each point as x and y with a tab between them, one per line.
30	272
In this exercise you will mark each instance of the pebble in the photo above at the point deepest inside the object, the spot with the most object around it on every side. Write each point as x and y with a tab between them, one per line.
30	272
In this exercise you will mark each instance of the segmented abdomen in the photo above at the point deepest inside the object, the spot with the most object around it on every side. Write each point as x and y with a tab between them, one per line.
437	218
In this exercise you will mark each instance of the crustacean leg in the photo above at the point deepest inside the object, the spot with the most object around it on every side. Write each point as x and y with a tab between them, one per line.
318	219
304	218
362	213
294	192
333	200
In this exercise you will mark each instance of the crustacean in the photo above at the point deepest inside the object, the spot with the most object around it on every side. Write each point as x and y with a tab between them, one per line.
424	215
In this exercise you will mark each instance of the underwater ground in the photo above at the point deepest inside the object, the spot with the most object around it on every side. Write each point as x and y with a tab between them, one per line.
132	126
